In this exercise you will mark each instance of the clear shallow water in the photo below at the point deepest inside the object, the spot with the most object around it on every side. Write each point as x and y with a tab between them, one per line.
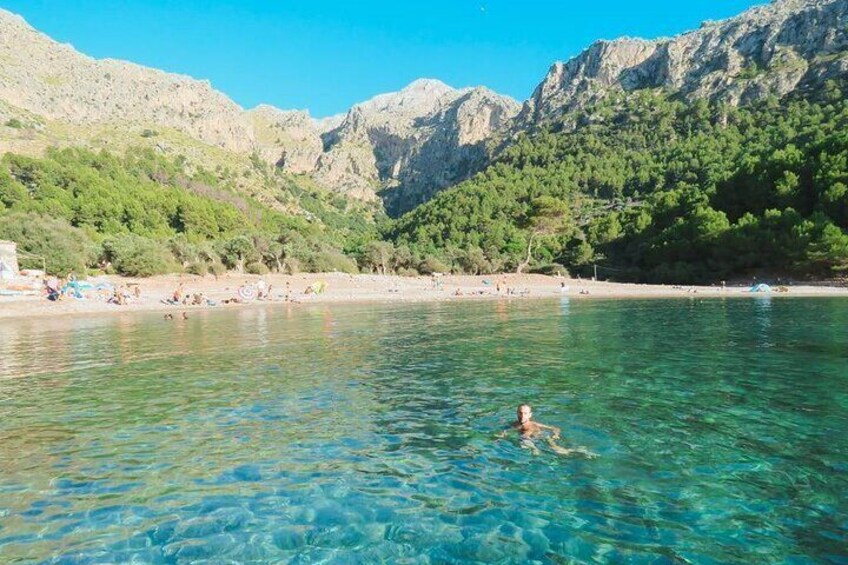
365	434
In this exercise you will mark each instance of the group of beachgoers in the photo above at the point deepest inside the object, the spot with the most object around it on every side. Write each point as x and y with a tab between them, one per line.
181	298
57	289
123	295
246	293
501	289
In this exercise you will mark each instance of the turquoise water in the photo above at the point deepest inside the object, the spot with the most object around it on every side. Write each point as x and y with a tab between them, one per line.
366	434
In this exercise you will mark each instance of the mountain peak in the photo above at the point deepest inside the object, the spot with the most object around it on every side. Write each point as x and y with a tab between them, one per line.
417	99
427	85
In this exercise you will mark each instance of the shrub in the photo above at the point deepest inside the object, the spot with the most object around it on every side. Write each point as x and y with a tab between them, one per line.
291	265
257	268
64	248
473	261
238	251
15	123
377	256
183	251
217	268
137	256
332	261
553	269
432	265
197	268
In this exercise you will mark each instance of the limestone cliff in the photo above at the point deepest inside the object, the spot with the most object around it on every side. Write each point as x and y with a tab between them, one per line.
771	49
413	142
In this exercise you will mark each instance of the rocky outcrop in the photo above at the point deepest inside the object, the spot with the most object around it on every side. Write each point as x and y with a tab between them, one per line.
412	143
771	49
288	139
348	163
452	143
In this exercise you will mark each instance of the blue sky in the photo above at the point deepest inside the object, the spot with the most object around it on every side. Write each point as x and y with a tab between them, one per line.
325	55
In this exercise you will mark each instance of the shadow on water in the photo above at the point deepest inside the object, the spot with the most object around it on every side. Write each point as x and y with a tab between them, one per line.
328	433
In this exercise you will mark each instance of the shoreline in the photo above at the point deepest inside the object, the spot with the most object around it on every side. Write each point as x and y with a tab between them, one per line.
373	289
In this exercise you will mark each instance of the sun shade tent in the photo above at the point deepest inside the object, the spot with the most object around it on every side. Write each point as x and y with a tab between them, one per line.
8	260
762	287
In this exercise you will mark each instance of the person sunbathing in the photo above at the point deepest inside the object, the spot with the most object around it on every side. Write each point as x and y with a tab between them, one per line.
530	430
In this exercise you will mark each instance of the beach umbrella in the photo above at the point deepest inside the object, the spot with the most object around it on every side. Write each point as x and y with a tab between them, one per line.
247	292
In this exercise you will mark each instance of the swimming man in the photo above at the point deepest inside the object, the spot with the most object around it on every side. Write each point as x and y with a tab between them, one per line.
529	430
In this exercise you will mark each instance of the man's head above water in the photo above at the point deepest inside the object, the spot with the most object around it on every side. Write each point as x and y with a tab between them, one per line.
524	413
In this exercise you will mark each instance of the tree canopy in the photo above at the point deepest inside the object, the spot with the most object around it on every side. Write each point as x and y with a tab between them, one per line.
659	189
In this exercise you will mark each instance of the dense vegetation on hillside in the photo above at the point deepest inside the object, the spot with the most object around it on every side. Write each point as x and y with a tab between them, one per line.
658	190
143	214
648	187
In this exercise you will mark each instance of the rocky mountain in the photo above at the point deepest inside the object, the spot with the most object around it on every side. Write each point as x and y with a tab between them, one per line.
55	81
388	141
411	143
771	49
287	138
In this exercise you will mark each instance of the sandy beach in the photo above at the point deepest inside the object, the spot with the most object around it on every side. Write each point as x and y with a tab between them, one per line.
364	288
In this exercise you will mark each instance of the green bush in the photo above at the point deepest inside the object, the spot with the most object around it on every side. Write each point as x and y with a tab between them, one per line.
257	268
291	265
553	269
64	248
332	261
217	268
197	268
432	265
15	123
238	251
137	256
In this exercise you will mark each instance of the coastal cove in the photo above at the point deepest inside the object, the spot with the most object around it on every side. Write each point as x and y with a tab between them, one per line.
471	312
330	431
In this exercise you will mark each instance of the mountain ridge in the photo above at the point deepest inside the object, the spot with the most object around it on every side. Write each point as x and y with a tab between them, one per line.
720	60
357	153
405	146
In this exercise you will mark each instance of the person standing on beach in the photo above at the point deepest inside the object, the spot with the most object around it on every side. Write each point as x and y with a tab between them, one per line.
178	294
